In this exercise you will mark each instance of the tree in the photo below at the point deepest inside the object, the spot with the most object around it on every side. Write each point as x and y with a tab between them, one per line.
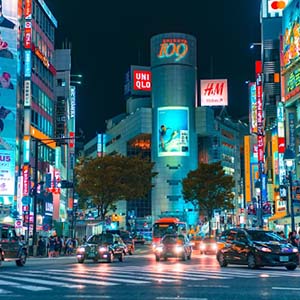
108	179
209	188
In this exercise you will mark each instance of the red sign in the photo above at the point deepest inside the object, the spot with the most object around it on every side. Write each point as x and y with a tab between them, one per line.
27	35
72	140
28	9
25	180
141	80
281	144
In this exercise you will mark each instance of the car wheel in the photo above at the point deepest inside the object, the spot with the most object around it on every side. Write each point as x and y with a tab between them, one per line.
22	260
80	260
291	267
122	257
110	258
157	258
251	261
222	261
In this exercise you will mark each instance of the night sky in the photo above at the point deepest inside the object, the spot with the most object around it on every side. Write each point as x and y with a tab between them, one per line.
108	36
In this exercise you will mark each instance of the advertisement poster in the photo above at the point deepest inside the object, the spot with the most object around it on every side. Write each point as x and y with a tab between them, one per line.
173	131
8	81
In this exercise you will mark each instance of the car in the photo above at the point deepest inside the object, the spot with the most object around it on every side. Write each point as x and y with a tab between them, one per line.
173	245
208	246
127	239
256	248
139	239
104	246
12	248
195	241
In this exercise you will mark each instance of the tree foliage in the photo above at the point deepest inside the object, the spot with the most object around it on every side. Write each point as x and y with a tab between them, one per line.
108	179
209	188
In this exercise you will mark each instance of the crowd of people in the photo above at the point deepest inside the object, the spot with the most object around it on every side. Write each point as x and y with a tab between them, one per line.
54	246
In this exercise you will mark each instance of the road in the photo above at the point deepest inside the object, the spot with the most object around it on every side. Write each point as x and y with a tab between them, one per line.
140	277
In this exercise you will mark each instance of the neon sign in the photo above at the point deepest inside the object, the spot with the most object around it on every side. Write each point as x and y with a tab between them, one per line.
170	48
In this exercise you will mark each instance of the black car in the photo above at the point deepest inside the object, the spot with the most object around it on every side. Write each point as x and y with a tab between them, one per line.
11	247
104	246
256	248
127	239
173	245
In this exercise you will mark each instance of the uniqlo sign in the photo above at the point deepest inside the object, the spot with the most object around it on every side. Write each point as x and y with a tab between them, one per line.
141	80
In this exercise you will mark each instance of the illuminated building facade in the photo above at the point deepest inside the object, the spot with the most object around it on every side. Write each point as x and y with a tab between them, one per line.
32	162
290	66
163	123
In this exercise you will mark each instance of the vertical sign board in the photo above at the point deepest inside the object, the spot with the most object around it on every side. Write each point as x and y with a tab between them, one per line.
253	108
8	97
291	120
173	126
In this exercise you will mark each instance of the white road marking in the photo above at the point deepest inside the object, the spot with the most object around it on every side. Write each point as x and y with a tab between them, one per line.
285	288
179	298
88	296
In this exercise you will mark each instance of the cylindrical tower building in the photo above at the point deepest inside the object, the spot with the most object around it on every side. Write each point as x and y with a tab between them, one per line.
174	143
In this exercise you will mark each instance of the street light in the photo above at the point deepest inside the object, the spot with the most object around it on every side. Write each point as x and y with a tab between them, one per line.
252	45
289	159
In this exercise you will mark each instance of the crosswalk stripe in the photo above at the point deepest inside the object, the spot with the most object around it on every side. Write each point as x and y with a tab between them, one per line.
138	279
76	280
84	274
4	292
180	275
24	287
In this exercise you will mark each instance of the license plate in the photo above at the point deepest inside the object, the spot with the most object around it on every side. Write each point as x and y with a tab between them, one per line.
92	254
283	258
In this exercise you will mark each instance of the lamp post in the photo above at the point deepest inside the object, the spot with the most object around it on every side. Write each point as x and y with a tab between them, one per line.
289	159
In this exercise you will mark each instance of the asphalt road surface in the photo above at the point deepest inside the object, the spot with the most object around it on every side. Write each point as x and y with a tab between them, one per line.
140	277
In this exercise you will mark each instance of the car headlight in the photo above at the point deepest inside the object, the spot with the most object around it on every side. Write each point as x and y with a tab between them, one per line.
263	249
178	249
295	250
102	249
202	247
214	246
159	248
81	250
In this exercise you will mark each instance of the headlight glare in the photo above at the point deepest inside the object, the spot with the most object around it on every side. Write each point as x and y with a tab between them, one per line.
178	249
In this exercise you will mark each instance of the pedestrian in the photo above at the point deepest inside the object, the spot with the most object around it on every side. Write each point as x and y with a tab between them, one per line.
51	247
40	247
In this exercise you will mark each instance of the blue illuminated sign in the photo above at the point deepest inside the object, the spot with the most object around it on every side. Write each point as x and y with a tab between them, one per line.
27	71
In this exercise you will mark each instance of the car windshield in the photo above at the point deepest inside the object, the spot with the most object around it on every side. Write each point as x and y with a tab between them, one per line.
170	239
209	240
264	236
102	238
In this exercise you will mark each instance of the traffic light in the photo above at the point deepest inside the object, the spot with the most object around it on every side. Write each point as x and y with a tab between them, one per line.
65	184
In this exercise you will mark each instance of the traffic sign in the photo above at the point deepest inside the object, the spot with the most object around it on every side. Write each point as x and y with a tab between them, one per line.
18	224
26	200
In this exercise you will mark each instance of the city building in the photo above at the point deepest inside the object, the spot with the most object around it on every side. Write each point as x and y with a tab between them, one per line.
32	118
164	122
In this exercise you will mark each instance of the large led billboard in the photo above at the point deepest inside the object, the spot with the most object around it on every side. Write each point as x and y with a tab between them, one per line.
8	94
214	92
173	131
273	8
291	33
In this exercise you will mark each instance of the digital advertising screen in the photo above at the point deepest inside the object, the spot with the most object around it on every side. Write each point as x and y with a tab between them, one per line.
291	33
173	131
8	95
